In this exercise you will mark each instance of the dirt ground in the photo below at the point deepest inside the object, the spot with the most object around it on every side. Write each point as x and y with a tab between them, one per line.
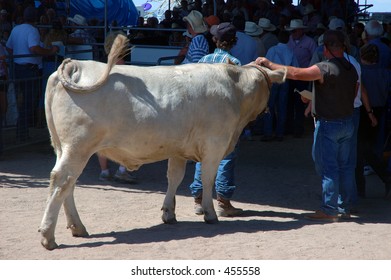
277	185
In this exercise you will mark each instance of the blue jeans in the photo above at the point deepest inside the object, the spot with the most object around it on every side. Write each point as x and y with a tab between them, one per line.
331	152
353	155
278	102
225	178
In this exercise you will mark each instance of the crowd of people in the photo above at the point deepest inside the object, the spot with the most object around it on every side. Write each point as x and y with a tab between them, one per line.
325	51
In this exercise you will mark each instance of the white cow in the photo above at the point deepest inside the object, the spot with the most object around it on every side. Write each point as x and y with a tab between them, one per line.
137	115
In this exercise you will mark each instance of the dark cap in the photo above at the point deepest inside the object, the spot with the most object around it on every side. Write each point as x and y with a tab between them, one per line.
224	31
30	14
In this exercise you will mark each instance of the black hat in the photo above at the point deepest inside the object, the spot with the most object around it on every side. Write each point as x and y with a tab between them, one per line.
224	31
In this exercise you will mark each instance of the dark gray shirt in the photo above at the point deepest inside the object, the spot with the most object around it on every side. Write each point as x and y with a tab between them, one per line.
334	97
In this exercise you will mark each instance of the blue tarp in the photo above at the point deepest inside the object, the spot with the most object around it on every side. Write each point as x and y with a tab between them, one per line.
122	11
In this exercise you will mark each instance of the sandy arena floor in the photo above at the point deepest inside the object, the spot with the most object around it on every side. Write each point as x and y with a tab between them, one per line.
277	185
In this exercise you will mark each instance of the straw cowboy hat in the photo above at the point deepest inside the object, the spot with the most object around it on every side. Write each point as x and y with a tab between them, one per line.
252	29
296	24
196	20
78	19
265	24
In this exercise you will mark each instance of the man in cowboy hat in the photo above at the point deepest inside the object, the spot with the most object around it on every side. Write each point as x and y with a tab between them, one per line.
199	46
303	47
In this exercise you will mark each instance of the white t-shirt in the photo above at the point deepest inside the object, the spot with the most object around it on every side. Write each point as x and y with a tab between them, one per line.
22	38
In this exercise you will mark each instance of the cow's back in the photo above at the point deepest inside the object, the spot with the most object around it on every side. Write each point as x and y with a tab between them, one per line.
162	109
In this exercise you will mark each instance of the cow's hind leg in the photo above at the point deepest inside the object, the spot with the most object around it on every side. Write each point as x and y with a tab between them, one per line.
62	181
175	173
73	220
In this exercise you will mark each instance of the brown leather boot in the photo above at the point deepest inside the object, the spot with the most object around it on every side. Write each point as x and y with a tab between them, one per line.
225	208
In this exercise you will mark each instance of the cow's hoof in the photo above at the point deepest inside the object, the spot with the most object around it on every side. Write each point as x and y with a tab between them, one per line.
78	231
210	217
211	221
169	221
80	234
49	245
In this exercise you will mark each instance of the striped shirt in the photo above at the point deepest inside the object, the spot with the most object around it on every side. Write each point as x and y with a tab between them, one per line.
219	56
198	48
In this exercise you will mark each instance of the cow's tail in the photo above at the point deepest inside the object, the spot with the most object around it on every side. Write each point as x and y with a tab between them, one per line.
70	71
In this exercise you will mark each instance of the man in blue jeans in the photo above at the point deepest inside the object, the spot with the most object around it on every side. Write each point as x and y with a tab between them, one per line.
335	82
224	35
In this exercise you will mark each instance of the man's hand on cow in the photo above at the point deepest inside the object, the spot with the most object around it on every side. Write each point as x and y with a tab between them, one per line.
263	61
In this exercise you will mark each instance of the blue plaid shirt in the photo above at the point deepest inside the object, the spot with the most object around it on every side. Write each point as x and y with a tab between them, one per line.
219	56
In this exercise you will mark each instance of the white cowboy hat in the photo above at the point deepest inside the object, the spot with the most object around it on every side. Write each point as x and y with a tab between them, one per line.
196	20
296	24
78	19
252	29
265	24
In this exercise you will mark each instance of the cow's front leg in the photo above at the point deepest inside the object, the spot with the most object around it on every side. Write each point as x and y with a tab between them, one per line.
175	173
